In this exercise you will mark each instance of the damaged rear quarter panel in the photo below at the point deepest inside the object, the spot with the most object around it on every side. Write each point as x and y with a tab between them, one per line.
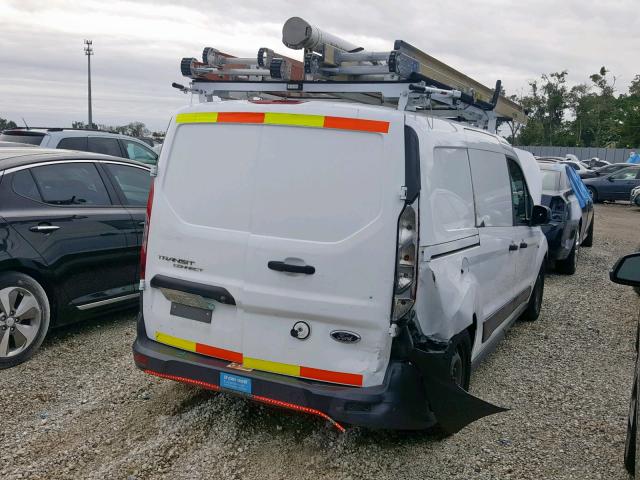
448	296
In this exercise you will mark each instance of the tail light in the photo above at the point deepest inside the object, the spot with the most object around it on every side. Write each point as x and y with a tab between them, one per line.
145	234
406	262
558	209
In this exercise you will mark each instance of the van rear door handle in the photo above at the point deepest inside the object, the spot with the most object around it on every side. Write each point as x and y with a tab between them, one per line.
524	244
44	228
513	247
285	267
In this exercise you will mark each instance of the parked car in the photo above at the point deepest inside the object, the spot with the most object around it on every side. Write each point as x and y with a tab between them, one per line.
635	197
572	217
71	226
96	141
606	170
595	162
615	186
154	142
303	292
626	271
578	166
570	160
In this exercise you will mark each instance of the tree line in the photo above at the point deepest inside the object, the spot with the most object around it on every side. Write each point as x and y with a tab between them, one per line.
588	114
133	129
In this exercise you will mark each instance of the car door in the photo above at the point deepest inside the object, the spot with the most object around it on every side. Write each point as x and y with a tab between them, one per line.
494	266
526	237
132	184
139	152
620	183
74	221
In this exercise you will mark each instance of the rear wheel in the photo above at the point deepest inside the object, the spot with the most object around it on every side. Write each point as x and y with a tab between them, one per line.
460	360
594	194
588	239
534	306
569	265
24	318
632	430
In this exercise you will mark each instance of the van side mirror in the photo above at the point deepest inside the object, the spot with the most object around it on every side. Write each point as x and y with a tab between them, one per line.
540	215
626	271
610	179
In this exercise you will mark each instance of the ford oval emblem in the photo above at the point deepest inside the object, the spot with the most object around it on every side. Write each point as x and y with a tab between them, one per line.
345	337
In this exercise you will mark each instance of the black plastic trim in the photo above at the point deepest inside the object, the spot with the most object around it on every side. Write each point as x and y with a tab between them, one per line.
219	294
456	250
285	267
495	320
411	164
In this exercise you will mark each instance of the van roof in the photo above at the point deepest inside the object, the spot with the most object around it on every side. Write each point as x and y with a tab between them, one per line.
330	107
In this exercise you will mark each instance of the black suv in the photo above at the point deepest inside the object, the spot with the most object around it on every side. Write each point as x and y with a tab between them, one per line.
572	217
71	226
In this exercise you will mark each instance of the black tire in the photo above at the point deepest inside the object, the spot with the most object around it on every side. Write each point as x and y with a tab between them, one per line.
594	194
534	306
569	265
631	443
24	326
588	239
460	360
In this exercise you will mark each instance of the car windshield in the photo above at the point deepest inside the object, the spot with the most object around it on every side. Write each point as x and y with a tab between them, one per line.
550	180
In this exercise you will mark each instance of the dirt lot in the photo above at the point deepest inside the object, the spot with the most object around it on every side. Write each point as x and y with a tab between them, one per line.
79	408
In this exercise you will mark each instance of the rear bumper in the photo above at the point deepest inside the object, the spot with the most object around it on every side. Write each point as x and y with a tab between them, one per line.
557	235
399	403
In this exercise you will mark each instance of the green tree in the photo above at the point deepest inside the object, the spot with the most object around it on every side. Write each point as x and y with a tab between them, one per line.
627	116
594	109
546	106
6	124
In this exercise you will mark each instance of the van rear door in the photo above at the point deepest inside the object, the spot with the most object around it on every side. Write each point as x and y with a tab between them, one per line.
298	223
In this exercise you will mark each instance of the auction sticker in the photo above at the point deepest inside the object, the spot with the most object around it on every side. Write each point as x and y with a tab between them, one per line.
235	382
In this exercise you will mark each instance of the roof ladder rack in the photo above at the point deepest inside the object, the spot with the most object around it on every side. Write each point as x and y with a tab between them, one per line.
404	77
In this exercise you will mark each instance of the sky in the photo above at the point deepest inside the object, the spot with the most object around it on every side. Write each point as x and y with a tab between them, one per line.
138	45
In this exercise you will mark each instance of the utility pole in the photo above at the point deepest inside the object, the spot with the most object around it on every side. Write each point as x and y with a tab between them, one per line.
88	51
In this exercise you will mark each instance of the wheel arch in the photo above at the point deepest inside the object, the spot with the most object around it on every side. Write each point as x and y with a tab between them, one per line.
42	278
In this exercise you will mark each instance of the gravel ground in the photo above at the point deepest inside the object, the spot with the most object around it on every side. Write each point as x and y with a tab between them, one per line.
79	408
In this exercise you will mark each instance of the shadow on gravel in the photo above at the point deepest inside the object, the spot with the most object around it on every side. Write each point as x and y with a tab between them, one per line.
88	326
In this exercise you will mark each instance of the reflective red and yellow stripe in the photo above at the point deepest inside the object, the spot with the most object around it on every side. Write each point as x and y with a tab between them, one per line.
286	119
259	364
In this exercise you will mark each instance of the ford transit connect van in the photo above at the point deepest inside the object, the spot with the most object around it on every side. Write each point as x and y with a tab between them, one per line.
347	261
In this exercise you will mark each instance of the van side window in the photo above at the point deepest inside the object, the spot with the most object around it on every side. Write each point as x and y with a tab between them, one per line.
520	198
451	198
491	188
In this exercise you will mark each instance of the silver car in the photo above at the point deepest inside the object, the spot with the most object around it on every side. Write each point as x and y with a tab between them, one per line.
635	196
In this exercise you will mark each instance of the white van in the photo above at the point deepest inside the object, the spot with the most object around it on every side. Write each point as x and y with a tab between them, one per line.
343	260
